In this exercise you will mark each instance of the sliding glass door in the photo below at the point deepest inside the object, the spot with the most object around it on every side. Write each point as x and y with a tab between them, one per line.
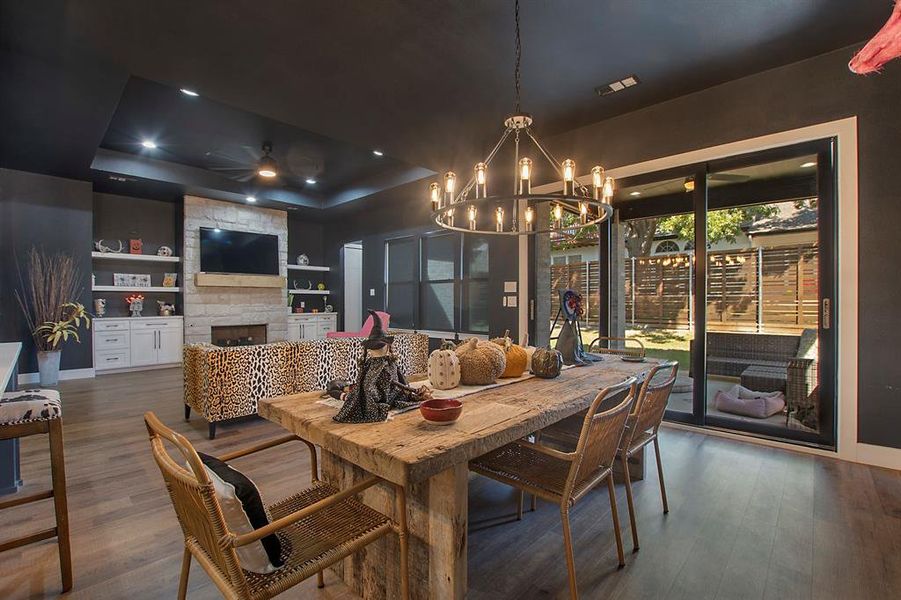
730	269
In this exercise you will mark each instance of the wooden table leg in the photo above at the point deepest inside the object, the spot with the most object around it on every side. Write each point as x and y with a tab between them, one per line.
437	516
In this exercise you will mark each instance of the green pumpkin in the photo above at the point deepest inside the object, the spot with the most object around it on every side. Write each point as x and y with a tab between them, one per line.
546	363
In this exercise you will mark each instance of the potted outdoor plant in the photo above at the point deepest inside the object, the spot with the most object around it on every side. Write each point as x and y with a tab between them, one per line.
47	296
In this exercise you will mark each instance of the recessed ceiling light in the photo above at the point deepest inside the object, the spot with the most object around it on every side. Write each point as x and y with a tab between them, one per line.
311	181
378	152
217	230
188	92
635	194
251	199
617	86
807	165
149	144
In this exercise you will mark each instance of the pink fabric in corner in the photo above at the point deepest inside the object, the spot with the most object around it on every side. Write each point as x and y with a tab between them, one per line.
367	327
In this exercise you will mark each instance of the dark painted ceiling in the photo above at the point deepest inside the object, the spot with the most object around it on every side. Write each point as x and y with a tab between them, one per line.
427	82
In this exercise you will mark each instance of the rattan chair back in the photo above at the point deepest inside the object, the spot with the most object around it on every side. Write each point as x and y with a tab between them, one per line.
652	398
600	436
195	503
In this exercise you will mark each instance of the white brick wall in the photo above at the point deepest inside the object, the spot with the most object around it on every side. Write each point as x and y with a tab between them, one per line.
205	307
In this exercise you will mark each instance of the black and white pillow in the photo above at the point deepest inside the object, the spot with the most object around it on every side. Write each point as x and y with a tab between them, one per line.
243	510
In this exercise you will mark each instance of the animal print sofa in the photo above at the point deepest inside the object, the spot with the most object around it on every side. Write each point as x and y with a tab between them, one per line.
226	383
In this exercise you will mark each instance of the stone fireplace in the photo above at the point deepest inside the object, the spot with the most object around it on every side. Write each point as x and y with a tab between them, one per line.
238	335
211	307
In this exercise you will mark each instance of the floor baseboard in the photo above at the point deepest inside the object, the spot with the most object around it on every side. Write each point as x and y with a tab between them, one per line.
31	378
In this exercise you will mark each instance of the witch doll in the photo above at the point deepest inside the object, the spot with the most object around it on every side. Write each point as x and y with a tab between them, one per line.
380	386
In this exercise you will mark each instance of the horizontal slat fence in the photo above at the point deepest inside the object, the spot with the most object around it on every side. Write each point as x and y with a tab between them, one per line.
758	289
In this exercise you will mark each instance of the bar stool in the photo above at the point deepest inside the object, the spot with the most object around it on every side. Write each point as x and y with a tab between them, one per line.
32	412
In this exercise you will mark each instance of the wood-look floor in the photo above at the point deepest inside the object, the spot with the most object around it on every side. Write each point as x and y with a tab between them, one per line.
745	521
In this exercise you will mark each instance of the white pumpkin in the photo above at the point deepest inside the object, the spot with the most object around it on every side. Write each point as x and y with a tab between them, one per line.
444	368
530	350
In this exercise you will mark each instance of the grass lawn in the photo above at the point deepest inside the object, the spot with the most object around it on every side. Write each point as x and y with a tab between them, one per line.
667	344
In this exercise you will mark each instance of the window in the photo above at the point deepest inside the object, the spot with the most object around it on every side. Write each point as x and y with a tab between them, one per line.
475	284
402	281
689	246
666	246
438	293
558	260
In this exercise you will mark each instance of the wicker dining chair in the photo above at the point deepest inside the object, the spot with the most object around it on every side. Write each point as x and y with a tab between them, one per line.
318	526
596	347
565	477
642	426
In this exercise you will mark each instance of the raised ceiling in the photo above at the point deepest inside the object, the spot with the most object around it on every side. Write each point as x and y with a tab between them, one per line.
428	83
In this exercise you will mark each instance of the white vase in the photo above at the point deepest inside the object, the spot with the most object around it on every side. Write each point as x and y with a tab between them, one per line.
48	367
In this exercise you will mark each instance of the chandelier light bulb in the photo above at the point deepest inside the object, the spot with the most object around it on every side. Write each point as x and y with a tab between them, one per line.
583	211
530	218
450	185
525	175
472	217
499	213
481	172
558	213
597	176
608	188
449	217
435	195
569	175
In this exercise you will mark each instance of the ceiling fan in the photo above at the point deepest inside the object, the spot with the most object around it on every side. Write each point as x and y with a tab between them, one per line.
688	184
246	163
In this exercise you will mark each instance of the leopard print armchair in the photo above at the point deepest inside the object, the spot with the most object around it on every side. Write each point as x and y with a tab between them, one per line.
226	383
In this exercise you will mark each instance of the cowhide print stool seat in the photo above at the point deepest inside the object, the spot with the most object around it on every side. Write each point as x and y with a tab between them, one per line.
33	412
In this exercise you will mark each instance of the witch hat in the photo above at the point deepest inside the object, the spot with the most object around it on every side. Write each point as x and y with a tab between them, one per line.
377	337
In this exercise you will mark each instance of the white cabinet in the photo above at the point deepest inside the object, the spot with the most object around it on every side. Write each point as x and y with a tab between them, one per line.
311	326
137	342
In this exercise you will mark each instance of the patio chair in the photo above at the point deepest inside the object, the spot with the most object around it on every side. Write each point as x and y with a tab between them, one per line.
319	526
641	429
596	346
565	477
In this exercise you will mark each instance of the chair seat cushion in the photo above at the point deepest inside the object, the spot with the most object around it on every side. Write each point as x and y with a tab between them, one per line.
29	405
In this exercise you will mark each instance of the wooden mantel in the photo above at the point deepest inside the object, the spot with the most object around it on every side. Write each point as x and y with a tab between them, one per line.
239	280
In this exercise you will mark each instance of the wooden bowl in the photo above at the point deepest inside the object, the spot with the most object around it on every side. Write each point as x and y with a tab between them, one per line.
441	412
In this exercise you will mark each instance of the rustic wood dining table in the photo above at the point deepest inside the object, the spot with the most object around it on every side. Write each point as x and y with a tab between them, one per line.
431	462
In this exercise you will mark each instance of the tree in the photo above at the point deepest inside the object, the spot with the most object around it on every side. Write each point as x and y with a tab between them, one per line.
723	224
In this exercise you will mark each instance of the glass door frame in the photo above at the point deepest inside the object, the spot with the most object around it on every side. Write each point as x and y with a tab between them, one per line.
827	231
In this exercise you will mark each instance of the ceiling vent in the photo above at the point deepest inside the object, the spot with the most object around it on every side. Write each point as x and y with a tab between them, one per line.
617	86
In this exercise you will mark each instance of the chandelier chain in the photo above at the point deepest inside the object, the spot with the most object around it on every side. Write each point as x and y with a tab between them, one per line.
518	52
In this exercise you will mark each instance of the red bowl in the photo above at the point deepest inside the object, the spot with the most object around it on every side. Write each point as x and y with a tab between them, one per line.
441	412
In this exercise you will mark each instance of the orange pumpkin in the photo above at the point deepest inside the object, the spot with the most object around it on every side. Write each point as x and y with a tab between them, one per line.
517	358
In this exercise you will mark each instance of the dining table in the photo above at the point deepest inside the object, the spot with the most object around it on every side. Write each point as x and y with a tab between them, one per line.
431	463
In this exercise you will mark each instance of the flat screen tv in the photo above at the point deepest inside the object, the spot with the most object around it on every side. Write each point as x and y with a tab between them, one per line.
225	251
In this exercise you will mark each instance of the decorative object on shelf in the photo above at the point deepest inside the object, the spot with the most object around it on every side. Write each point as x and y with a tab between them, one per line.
135	304
99	246
320	286
574	209
481	362
314	310
99	307
515	355
93	280
170	279
303	260
135	246
374	393
298	309
438	411
329	308
164	251
302	284
131	279
45	296
166	309
444	367
546	363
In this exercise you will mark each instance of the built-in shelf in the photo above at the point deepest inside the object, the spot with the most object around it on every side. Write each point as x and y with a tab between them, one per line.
307	268
135	257
130	288
311	292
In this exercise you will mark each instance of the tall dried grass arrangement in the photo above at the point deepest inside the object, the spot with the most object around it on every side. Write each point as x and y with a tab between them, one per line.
49	283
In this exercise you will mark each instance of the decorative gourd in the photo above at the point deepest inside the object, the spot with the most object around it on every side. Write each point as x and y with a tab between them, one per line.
515	355
530	350
444	367
546	363
481	363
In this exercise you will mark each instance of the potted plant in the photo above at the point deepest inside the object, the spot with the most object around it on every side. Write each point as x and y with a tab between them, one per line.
47	299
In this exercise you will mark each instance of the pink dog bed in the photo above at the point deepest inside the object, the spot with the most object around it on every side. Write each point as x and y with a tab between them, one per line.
748	403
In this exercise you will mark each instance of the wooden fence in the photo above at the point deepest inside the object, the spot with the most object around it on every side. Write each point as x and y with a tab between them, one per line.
758	289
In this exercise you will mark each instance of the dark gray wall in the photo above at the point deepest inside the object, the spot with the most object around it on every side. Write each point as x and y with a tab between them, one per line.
55	214
813	91
398	212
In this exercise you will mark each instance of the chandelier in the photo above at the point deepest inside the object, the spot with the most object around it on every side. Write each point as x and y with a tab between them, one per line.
471	209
